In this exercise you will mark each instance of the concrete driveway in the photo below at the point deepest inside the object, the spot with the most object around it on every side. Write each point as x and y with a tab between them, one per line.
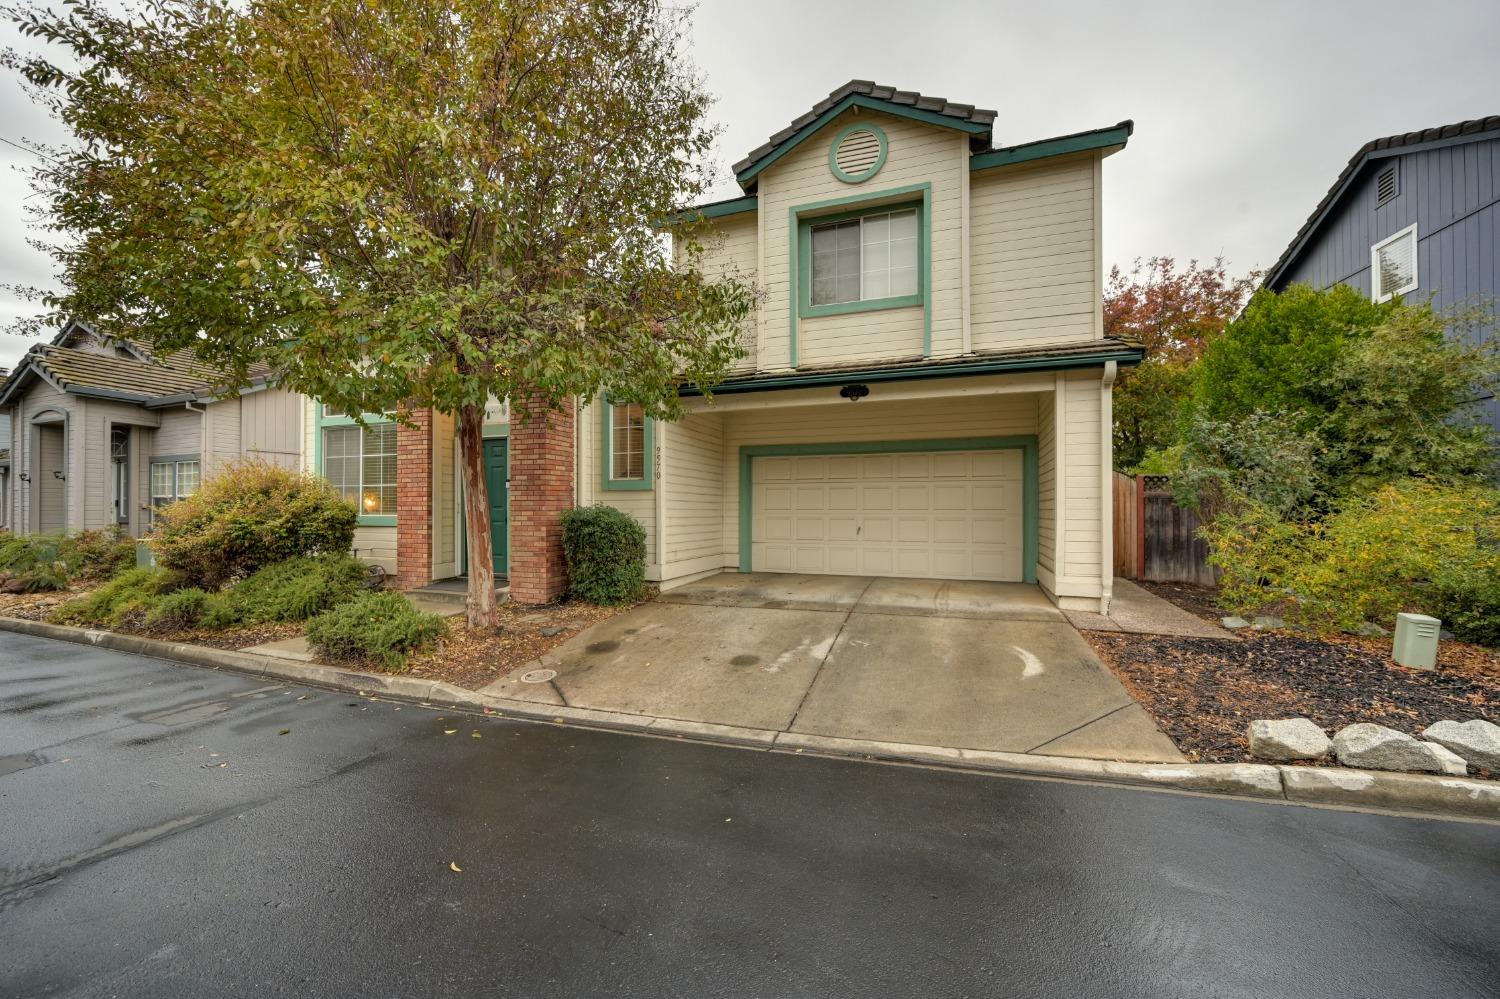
968	665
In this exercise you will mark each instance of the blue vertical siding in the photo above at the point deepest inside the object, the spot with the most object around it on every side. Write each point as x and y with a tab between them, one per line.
1452	193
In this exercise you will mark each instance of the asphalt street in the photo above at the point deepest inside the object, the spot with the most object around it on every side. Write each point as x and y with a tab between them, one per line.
173	831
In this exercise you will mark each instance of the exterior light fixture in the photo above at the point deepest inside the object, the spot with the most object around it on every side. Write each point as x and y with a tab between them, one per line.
854	393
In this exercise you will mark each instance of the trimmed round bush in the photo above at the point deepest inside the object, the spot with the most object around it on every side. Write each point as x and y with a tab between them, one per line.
606	553
246	517
379	629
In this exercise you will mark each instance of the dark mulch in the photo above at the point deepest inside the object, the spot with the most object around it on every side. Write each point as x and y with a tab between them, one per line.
1205	692
473	659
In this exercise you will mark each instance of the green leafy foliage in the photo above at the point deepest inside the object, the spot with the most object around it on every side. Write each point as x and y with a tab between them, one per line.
123	602
248	516
606	553
296	589
1260	460
1148	405
1413	546
374	628
36	562
180	610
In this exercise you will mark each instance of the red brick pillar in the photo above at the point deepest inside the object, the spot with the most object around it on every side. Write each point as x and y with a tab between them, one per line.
414	501
541	488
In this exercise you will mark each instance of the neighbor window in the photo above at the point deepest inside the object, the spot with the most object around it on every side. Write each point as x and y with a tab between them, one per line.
627	446
361	464
1393	265
864	259
173	480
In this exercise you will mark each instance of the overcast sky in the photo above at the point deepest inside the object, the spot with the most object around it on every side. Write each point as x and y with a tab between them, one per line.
1245	112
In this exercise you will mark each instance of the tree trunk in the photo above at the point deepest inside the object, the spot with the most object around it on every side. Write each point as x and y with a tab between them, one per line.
483	612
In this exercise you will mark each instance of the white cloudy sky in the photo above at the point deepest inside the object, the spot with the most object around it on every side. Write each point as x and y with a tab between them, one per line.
1244	112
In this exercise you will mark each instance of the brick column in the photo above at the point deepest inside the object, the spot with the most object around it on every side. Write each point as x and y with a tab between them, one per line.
414	502
541	488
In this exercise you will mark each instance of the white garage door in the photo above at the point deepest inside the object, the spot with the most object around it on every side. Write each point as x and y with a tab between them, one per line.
941	515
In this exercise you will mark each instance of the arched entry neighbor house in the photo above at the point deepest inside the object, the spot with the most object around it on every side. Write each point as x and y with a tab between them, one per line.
103	430
925	389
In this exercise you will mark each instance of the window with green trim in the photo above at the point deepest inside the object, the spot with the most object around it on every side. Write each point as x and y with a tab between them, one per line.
860	261
626	446
361	464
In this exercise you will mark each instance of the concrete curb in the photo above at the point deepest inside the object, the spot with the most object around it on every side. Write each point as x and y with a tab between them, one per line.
1419	793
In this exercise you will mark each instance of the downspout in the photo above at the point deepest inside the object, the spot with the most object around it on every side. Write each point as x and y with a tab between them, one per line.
1106	487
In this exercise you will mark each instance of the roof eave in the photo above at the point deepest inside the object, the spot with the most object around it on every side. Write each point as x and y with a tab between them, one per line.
746	171
1125	356
1110	140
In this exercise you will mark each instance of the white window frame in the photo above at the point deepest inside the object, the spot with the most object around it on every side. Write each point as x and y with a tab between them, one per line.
1377	291
864	219
159	500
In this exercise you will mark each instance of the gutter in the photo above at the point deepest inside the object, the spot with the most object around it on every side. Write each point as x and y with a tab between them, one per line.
1062	362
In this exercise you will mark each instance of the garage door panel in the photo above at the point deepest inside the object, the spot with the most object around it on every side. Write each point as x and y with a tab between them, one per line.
951	515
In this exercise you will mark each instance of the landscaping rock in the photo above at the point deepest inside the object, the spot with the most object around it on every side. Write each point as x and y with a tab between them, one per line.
1375	747
1288	739
1477	741
1234	623
1369	629
552	631
1266	622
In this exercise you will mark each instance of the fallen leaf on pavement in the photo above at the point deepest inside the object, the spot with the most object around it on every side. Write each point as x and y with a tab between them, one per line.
453	866
285	731
475	735
449	731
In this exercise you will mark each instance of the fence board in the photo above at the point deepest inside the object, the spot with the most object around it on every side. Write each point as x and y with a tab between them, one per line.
1174	552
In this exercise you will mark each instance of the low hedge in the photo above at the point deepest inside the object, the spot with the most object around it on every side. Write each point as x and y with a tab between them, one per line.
249	516
379	629
123	602
36	562
606	553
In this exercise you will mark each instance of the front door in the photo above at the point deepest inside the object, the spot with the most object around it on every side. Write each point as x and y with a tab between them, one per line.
496	450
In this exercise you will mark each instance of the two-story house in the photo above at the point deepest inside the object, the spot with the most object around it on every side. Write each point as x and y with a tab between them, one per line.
925	391
1416	215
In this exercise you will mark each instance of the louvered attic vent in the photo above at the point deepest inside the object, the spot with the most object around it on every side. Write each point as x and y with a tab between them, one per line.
1386	187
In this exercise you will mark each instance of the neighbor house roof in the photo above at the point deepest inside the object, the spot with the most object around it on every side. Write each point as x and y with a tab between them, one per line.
1080	354
1377	149
142	377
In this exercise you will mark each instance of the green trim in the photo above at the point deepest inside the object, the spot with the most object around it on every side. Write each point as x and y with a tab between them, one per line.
857	101
324	421
805	308
715	210
607	482
833	152
867	202
1030	488
848	376
1101	138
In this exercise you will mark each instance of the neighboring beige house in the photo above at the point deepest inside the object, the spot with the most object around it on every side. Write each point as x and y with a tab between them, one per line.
103	431
926	390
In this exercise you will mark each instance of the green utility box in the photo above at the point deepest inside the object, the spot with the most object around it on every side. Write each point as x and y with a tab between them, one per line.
1416	641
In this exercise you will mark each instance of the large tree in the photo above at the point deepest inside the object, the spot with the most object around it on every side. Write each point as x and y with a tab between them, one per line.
396	204
1174	313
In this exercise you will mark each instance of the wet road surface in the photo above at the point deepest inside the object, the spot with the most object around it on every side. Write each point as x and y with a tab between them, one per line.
160	836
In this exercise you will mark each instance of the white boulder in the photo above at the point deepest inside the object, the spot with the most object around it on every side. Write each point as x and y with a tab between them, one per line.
1477	741
1287	739
1375	747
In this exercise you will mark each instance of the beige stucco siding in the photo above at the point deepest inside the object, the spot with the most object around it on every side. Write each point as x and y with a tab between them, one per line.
916	154
1033	257
918	419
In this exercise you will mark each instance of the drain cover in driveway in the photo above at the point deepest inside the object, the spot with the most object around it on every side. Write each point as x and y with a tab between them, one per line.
538	675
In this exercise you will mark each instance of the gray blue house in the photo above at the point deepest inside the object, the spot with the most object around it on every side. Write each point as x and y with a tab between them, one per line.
1415	215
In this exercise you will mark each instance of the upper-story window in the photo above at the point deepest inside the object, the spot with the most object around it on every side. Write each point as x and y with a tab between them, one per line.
1393	265
626	446
870	258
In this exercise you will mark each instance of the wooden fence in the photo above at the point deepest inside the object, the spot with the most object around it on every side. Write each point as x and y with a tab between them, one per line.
1154	537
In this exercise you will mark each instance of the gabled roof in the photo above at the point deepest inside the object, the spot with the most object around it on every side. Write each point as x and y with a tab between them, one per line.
866	94
1377	149
142	377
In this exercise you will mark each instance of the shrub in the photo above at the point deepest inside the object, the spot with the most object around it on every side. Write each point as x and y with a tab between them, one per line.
180	610
53	561
1468	601
375	628
122	602
1416	546
606	553
296	589
1262	460
249	516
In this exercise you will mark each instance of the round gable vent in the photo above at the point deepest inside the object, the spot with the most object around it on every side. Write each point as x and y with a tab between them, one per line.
858	153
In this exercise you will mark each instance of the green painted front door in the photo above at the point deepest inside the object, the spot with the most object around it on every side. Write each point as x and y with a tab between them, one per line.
495	460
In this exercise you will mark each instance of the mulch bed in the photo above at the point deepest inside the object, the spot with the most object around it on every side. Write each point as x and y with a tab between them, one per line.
1205	692
472	659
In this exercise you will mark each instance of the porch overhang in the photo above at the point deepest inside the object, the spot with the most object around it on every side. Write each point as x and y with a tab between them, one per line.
1095	354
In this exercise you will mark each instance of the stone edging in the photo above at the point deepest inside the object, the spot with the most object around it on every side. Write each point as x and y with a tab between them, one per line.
1424	793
